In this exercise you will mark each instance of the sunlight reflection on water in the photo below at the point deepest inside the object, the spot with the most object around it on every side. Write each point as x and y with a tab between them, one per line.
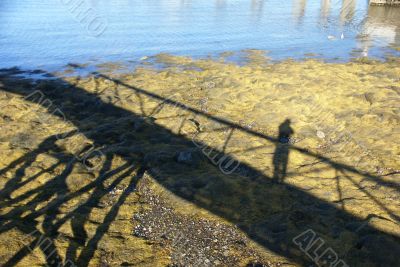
54	33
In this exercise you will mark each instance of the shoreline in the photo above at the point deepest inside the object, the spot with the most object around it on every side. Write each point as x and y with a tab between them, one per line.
240	58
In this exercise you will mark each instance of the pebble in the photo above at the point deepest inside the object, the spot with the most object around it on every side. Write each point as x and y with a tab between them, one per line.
321	134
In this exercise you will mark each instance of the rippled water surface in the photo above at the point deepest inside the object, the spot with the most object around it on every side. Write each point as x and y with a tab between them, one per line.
50	34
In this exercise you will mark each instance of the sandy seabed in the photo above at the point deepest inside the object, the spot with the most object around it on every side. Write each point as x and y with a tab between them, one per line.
203	163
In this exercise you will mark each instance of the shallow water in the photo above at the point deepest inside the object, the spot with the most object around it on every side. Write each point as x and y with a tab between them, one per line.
48	35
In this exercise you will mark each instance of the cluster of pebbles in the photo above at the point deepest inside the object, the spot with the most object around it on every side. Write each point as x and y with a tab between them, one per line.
193	241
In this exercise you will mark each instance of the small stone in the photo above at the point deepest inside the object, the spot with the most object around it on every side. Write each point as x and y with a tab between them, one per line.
185	157
189	157
321	134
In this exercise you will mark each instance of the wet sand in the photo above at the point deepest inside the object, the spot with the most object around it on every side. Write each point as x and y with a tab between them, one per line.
315	146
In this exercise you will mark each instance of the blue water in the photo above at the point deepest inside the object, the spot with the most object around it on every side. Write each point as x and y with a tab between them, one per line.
50	34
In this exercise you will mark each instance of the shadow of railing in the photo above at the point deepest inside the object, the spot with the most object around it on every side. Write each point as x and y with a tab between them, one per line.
270	213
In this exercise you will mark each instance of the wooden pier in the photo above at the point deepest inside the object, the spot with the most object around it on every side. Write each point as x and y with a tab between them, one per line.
384	2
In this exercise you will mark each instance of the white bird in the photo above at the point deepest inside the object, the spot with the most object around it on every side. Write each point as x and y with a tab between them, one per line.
342	36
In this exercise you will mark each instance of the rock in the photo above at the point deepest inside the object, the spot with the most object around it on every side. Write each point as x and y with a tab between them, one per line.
283	86
190	157
185	157
321	134
370	98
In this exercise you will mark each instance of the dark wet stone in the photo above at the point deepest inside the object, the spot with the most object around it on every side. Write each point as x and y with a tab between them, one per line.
185	157
7	118
190	157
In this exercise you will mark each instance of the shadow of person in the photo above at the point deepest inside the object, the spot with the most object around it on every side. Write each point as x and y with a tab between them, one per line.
281	154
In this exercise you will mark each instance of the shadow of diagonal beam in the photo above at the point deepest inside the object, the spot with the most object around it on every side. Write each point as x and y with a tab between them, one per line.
335	164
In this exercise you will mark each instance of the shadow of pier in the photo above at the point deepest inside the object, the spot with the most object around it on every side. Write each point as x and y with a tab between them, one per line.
270	213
